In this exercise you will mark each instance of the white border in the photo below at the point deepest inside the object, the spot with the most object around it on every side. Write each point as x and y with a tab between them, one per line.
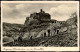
40	48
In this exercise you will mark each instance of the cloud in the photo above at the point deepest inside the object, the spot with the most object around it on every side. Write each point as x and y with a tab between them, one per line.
6	10
22	6
62	12
16	12
17	20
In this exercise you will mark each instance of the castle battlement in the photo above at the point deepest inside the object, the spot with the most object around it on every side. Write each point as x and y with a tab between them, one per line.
41	15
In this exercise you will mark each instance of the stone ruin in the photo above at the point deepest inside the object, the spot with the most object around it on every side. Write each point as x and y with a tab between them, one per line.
42	16
36	18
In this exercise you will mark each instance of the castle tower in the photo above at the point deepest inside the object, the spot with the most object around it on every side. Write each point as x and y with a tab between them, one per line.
41	10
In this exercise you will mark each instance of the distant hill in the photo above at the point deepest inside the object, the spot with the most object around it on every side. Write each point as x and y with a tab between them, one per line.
72	21
10	28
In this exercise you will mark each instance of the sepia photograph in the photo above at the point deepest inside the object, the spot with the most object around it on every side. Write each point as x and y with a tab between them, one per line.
40	24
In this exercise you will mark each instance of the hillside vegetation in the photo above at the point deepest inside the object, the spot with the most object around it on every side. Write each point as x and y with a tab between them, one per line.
41	32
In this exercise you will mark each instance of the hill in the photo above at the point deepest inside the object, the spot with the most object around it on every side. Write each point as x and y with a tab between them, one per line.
41	32
11	30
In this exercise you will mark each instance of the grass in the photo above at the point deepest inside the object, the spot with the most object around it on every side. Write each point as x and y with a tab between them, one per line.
60	40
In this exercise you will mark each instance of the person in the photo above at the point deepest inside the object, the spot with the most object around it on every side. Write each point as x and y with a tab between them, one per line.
57	31
48	33
45	34
30	37
20	39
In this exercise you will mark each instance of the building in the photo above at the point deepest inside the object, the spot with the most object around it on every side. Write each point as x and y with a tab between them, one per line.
42	16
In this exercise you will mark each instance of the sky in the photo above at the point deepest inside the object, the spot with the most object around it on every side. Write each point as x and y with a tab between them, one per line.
17	12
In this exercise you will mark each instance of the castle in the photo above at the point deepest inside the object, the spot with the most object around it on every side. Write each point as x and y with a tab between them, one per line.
36	25
42	16
37	18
